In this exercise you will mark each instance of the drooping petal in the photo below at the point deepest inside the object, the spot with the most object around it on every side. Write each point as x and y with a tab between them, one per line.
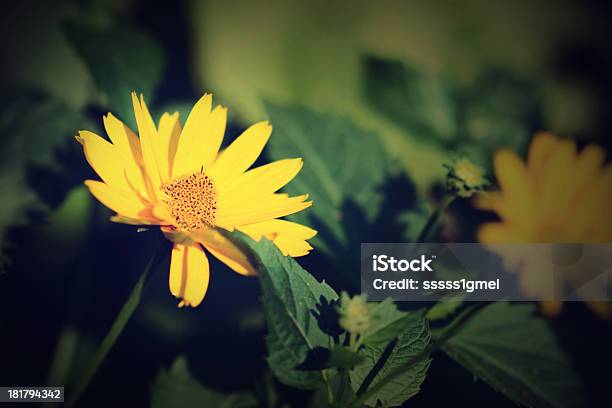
263	180
225	250
120	201
276	227
289	237
292	246
189	274
193	138
168	132
242	153
147	133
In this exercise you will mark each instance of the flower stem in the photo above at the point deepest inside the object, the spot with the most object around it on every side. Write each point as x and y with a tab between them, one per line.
116	329
434	217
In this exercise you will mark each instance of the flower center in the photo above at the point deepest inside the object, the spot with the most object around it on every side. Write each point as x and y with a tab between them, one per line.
192	200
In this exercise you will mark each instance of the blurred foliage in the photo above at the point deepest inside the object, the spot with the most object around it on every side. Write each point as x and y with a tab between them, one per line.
342	163
498	110
177	388
517	353
33	126
311	53
121	60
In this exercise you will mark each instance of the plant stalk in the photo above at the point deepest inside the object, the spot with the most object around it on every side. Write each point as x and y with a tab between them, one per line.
116	329
433	219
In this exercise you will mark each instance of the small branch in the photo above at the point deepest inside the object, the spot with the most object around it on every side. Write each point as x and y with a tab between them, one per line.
432	221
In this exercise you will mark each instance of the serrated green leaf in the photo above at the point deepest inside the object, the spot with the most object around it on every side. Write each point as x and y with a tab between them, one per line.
295	305
381	360
424	104
386	323
513	350
343	357
177	388
342	163
121	60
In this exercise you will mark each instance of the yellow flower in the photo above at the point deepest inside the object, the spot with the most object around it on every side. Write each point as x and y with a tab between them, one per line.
177	178
559	195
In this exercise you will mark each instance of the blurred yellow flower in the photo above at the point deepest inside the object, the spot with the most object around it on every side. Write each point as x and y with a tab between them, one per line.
177	178
559	196
354	313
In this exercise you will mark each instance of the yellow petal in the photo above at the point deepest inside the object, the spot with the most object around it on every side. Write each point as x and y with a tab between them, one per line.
123	138
210	142
588	165
126	143
189	274
120	201
225	250
242	153
291	246
539	151
499	233
104	159
289	237
275	227
161	211
168	132
274	206
488	200
555	196
148	136
263	180
511	173
516	186
188	158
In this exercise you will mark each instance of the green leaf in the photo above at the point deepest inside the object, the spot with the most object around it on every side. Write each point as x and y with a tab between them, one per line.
33	125
386	323
177	388
121	60
513	350
421	103
296	306
382	360
343	357
342	164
